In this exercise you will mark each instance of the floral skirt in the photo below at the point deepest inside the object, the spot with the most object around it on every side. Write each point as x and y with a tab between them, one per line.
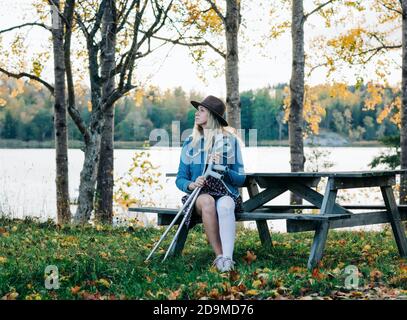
216	189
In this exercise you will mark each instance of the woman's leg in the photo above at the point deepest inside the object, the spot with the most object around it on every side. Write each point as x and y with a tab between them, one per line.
205	207
225	207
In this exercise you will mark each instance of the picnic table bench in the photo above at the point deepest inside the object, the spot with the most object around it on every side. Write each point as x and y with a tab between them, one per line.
331	214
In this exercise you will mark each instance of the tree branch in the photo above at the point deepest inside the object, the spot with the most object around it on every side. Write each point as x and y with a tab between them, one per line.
72	110
191	44
317	8
125	15
98	21
30	76
216	9
390	8
375	51
27	25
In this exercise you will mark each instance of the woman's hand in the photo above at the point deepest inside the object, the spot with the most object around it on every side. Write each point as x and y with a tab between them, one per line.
199	183
214	158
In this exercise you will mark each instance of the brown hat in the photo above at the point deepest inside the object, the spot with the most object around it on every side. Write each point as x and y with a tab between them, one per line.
215	105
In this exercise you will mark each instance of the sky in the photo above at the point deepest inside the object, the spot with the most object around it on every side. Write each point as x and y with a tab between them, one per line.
172	66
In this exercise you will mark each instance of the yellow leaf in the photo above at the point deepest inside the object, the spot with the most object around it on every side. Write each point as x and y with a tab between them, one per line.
104	254
138	97
2	102
33	296
3	260
14	93
256	284
252	292
10	296
104	282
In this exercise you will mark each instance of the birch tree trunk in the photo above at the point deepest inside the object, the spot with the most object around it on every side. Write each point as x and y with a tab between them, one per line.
92	144
295	124
61	145
232	24
403	111
88	178
105	182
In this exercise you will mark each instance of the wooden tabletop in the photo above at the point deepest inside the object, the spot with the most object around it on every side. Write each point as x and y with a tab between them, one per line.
339	174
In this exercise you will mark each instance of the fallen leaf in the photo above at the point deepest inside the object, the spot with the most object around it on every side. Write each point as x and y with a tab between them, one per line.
297	269
317	275
249	257
252	292
214	294
234	275
10	296
375	275
75	290
103	282
90	296
256	284
33	296
174	294
342	242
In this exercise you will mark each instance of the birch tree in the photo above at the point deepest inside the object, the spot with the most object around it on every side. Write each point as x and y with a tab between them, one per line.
57	30
376	43
296	120
197	23
137	21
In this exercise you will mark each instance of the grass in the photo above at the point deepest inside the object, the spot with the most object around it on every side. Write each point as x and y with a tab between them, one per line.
108	263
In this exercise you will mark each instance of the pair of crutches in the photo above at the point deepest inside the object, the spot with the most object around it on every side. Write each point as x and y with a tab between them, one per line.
188	204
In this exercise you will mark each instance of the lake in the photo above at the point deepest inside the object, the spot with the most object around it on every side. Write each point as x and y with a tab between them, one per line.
27	176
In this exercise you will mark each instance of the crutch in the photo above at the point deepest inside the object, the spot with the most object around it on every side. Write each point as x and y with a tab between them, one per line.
209	172
190	198
172	223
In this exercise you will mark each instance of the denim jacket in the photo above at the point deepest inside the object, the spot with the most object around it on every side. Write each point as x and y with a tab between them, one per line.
192	164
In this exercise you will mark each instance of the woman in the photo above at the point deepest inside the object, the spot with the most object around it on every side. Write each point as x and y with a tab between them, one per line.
218	200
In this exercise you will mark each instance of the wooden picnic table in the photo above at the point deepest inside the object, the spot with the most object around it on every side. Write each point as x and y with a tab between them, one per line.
331	214
302	184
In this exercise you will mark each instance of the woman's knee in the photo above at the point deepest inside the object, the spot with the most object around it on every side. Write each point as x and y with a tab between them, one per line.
225	205
205	203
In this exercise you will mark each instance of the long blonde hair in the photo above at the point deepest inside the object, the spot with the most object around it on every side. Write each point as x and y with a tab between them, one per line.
213	128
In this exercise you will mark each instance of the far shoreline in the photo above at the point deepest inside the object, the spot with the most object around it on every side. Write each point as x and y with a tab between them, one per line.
77	144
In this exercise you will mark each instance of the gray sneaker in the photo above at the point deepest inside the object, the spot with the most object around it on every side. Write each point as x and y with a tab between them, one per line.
228	264
218	262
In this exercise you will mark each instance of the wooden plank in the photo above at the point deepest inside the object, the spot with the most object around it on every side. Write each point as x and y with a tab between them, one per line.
266	182
395	221
321	231
282	208
314	197
369	173
259	199
355	174
270	208
248	216
365	182
355	220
